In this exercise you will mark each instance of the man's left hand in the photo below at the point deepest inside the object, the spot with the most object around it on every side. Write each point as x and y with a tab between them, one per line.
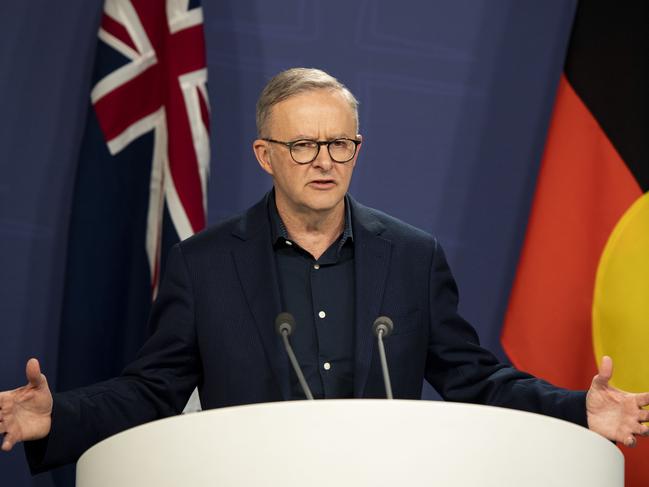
615	414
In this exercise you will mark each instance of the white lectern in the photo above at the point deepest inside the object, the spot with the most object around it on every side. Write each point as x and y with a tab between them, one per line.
354	443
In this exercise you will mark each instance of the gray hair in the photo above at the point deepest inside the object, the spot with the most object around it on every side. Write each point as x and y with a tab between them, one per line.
294	81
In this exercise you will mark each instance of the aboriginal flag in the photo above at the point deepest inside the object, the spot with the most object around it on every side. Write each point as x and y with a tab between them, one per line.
582	284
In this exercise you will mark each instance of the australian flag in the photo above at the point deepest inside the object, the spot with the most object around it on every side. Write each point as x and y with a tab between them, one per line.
140	183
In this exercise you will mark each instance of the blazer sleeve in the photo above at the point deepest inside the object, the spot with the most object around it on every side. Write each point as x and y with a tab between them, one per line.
157	384
461	370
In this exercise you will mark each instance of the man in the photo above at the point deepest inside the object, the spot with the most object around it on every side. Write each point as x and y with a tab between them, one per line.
308	248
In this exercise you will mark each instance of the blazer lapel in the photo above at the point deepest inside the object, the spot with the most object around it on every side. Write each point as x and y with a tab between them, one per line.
257	271
371	263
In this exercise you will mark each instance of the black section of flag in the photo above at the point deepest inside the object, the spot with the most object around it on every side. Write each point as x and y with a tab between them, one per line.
107	294
608	66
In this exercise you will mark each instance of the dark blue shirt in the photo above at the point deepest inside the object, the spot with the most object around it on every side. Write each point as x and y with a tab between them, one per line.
320	294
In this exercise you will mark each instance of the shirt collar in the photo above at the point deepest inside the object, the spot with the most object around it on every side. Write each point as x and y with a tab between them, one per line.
279	232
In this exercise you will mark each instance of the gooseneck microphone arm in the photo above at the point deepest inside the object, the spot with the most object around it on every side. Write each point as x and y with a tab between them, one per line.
296	367
382	327
284	326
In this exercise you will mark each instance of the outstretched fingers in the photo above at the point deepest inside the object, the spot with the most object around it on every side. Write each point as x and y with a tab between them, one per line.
642	399
5	436
8	442
3	407
3	424
629	441
641	429
33	373
635	420
605	372
643	416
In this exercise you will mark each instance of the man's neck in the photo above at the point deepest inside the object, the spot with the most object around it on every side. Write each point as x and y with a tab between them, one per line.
314	231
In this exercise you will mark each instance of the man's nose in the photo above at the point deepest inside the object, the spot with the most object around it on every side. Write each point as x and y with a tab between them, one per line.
323	161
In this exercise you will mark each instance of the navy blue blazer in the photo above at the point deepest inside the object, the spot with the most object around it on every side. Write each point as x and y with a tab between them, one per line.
214	328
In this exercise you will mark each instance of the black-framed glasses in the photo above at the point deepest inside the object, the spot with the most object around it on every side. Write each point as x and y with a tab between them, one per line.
305	151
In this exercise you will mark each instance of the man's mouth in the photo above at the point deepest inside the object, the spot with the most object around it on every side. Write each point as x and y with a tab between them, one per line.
322	183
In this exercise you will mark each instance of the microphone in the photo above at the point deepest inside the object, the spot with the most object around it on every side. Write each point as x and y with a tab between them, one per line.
383	327
284	326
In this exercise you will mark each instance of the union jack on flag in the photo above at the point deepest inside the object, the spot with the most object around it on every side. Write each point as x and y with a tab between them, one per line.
140	182
161	87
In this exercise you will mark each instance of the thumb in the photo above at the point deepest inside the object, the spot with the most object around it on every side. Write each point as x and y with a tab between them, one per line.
33	372
605	371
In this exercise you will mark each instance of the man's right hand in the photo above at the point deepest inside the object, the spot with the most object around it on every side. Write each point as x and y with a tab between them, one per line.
26	412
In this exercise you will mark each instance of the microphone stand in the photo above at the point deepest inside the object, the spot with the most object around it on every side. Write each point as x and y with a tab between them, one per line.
382	327
284	326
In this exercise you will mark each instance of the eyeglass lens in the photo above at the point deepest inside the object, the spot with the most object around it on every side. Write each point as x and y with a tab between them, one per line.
340	150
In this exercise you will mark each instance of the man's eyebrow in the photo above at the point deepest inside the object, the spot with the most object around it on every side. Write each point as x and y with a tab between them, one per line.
303	136
333	137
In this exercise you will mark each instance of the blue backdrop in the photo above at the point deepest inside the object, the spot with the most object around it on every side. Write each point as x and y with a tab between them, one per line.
455	103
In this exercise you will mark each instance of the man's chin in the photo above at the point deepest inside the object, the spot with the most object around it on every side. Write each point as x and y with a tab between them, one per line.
314	201
325	200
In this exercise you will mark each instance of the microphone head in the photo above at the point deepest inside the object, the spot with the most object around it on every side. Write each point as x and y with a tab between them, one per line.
383	323
284	324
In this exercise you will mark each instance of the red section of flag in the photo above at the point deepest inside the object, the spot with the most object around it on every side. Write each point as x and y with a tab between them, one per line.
132	101
159	86
117	30
583	189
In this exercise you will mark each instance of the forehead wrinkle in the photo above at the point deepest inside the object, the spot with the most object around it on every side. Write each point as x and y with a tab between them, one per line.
313	115
340	135
318	131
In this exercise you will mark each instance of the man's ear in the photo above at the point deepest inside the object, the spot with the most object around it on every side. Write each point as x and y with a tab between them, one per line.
359	137
261	149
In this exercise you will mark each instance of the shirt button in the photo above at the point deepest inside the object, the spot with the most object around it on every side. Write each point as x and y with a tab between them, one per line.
326	365
288	242
316	266
322	314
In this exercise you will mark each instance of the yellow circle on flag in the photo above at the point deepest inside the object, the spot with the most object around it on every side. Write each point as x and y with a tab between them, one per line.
621	299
